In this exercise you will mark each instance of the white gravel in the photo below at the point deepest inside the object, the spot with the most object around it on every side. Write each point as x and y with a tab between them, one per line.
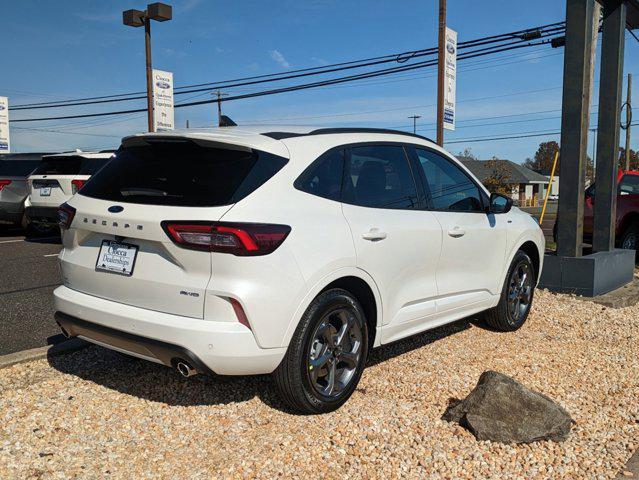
92	414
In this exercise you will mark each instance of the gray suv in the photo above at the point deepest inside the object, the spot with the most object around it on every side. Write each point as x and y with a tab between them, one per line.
14	170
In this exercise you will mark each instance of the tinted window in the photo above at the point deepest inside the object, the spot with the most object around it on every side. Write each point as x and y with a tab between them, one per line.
17	168
90	166
324	177
59	165
450	188
182	174
629	185
379	176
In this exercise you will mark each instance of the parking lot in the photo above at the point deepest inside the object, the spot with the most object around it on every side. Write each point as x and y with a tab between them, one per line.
30	273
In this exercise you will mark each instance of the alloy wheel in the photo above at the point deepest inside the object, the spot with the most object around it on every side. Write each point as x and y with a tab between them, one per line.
335	352
520	288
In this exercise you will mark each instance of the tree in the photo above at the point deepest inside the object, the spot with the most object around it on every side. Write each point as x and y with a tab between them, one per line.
467	154
545	156
498	179
634	159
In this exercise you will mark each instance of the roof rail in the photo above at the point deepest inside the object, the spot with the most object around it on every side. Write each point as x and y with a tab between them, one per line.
330	131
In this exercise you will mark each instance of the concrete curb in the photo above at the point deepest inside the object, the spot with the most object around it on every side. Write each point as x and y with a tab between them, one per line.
631	469
61	348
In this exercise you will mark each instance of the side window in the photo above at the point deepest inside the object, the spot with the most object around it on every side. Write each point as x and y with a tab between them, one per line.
379	176
629	185
324	176
450	188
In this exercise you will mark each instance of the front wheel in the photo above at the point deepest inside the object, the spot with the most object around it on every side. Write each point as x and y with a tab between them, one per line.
326	356
516	297
630	237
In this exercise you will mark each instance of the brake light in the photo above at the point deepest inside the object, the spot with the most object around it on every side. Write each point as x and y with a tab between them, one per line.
65	215
4	183
76	185
242	239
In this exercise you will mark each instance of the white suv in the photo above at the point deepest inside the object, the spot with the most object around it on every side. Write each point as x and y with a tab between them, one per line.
251	251
55	180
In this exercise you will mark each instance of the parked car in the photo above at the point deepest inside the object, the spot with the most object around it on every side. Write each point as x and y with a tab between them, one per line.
627	219
14	170
294	251
55	180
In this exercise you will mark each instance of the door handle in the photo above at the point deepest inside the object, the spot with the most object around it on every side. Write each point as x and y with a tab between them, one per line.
374	234
456	232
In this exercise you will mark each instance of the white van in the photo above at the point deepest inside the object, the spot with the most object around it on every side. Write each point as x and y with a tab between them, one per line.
55	180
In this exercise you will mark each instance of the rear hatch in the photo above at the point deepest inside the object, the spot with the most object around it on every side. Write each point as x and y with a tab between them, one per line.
126	203
58	177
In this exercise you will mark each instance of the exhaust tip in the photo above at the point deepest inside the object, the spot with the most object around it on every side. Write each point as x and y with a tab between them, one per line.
64	331
185	369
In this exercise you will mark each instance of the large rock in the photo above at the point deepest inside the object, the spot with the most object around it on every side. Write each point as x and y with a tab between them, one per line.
501	410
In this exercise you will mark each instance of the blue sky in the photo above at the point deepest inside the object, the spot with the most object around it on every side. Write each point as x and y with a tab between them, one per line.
70	49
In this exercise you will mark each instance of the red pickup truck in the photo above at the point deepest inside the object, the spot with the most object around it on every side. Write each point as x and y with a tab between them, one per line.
627	222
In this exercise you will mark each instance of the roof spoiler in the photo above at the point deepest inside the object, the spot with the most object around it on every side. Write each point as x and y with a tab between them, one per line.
227	122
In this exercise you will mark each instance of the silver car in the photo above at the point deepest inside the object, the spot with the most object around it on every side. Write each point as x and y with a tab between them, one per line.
14	170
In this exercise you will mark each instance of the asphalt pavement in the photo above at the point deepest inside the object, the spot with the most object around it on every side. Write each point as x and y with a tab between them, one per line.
29	273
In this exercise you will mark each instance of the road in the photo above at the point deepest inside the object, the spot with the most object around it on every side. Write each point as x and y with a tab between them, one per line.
28	275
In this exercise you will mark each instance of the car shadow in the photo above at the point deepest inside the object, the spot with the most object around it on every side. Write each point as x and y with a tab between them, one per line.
157	383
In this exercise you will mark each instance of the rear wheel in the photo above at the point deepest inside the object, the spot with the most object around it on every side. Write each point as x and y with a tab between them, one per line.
326	356
516	297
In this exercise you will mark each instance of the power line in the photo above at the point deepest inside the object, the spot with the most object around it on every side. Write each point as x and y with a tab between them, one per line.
517	37
376	73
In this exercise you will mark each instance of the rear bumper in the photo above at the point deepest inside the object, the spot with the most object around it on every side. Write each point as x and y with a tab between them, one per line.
224	348
48	215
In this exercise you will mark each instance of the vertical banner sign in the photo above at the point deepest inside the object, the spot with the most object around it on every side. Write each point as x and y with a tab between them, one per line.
4	125
162	101
450	75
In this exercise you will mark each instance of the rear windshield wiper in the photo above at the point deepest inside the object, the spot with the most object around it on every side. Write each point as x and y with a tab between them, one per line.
145	192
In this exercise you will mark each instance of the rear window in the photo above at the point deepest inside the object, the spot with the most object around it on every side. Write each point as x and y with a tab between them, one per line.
182	174
89	166
59	166
17	168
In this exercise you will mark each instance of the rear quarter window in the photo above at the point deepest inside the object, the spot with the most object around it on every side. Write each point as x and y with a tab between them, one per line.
182	174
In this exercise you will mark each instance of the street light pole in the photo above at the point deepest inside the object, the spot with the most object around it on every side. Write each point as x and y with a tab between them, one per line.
219	106
159	12
441	72
415	117
149	72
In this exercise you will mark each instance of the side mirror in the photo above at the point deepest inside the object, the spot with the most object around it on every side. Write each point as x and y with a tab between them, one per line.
500	203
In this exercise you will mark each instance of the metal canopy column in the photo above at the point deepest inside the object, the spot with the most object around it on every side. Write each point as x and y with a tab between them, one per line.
610	88
574	126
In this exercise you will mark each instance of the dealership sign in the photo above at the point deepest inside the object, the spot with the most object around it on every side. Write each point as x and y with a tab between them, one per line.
4	125
450	74
162	101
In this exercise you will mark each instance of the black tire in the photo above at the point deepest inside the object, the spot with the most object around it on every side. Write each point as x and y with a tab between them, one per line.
293	376
629	239
502	317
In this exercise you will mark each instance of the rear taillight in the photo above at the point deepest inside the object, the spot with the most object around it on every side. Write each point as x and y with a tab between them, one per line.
242	239
65	215
76	185
4	183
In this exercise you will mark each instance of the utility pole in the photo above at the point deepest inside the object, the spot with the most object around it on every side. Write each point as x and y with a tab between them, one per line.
159	12
628	119
441	72
187	123
415	117
219	106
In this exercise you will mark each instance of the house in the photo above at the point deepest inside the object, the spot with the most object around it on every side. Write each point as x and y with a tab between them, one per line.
527	186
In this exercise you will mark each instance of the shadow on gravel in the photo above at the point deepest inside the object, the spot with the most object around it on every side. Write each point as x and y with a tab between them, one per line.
158	383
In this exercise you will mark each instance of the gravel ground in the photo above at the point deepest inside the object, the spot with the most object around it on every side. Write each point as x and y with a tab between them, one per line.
93	414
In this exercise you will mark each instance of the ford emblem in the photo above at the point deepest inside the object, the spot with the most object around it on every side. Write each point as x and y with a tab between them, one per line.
161	84
450	48
116	208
